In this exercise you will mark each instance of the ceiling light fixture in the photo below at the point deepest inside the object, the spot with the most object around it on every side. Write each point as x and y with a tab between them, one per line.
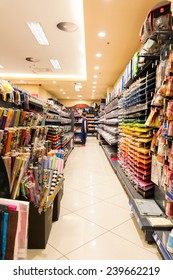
96	67
77	86
55	63
98	55
101	34
61	89
64	92
94	83
67	26
68	97
37	31
79	96
32	59
95	76
93	90
1	66
54	82
94	86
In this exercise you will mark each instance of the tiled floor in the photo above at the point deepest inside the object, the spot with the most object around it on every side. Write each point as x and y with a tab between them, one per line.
95	219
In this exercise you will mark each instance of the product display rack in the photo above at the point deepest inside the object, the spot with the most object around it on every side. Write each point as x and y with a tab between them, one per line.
77	128
91	124
134	108
161	238
108	127
134	144
24	130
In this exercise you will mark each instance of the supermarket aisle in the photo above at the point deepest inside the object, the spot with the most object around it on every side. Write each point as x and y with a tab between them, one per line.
95	220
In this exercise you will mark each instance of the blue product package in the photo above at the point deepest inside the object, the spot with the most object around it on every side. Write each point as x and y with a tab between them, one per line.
4	234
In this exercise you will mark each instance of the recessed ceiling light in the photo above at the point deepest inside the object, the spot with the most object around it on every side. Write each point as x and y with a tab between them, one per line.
37	31
93	90
54	82
101	34
21	82
96	67
67	26
61	89
94	83
94	86
95	76
1	66
79	96
68	97
32	59
64	92
98	55
55	63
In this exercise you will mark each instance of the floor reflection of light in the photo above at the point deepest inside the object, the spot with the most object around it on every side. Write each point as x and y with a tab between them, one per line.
93	243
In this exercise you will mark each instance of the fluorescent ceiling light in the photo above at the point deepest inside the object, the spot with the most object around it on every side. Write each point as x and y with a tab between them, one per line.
37	30
55	63
98	55
101	34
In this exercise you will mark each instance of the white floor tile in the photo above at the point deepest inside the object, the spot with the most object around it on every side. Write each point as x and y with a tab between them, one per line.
134	234
72	231
102	191
63	259
64	211
105	215
76	200
111	247
120	200
48	253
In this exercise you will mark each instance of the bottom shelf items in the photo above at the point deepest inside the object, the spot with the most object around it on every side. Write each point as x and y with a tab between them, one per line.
161	239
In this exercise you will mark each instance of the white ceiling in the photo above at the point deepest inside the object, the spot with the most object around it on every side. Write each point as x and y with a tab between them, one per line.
75	51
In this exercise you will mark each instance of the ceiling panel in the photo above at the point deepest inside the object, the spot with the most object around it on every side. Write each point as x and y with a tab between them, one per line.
121	20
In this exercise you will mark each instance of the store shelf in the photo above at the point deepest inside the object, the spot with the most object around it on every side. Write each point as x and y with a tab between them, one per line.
136	108
77	142
53	111
128	187
52	121
141	72
169	195
70	136
161	238
110	143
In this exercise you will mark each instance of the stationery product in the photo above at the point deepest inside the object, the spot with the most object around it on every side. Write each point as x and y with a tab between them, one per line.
148	207
169	244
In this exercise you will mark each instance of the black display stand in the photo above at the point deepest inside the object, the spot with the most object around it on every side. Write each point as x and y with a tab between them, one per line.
56	205
4	182
39	227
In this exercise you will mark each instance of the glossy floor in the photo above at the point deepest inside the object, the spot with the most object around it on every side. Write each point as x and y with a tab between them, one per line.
95	219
